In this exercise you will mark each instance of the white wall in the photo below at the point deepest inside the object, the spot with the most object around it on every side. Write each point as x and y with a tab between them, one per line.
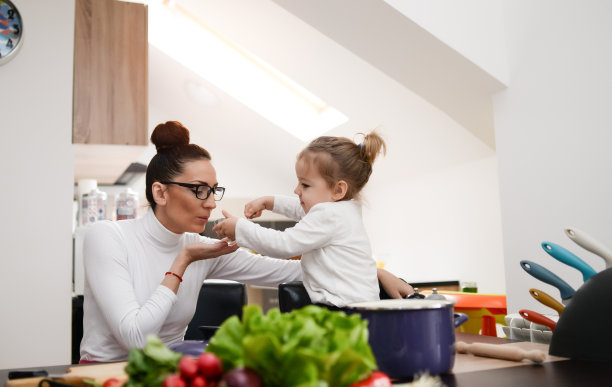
441	226
36	165
472	27
554	130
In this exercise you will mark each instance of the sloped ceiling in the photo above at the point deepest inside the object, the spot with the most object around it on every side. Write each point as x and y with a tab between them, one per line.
399	47
354	55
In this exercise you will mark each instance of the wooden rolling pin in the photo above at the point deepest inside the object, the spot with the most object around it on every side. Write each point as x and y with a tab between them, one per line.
500	352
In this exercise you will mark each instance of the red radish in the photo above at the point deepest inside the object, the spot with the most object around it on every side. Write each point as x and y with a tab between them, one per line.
242	377
188	367
199	381
174	380
210	365
377	379
112	382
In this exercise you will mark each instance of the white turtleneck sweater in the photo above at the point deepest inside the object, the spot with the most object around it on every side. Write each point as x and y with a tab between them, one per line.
337	262
125	262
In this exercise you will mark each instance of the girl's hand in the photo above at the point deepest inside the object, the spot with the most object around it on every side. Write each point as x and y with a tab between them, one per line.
254	208
395	287
227	228
199	250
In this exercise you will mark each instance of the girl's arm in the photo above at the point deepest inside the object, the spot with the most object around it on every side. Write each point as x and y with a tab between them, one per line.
288	206
394	286
312	232
284	205
244	266
255	208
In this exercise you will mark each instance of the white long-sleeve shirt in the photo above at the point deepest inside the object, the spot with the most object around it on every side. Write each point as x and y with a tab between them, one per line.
337	263
124	301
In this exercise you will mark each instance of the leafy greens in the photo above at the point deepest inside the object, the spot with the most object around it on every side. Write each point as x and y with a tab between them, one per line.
149	366
308	347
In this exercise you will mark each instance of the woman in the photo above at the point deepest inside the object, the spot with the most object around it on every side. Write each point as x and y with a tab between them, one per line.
143	276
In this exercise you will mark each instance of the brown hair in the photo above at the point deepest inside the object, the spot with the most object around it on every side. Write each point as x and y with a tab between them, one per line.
171	140
338	158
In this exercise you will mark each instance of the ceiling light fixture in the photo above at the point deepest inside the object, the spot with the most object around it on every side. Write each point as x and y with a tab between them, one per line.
237	72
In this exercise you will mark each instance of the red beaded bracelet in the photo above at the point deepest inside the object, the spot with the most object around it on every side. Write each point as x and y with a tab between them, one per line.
176	275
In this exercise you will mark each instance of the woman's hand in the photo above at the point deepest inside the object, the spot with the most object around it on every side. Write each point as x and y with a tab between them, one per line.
196	251
394	286
226	228
255	208
200	250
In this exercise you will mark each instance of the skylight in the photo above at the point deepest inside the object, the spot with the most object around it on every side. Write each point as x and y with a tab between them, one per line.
239	73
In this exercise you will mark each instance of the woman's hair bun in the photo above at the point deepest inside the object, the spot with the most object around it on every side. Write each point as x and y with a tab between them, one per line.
169	135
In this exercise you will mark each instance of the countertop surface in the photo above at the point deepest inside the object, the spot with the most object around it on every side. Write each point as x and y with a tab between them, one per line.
470	370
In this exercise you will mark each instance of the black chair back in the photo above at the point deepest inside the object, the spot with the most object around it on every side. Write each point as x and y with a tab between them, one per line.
293	295
217	302
77	328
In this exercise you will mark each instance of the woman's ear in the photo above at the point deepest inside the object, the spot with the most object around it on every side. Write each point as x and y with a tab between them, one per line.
159	193
340	190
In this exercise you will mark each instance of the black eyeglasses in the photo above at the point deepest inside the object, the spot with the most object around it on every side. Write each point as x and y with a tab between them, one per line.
201	191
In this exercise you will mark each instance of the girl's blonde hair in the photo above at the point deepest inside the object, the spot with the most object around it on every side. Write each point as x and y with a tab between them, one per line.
339	158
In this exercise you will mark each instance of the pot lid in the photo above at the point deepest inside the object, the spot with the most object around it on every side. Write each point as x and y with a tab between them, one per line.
401	304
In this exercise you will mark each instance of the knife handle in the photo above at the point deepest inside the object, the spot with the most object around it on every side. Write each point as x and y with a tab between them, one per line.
563	255
26	374
547	300
589	243
545	275
537	318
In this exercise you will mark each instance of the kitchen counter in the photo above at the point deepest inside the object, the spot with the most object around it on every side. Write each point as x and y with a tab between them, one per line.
470	370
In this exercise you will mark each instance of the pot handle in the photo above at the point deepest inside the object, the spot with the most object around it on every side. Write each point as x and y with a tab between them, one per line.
459	318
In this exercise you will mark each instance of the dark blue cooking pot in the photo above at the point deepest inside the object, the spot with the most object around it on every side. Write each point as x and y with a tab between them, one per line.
411	336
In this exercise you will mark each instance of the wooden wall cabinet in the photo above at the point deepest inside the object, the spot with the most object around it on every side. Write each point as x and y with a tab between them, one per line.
110	99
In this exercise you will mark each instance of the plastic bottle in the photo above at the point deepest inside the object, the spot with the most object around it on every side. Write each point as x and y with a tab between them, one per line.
93	206
126	204
85	186
469	287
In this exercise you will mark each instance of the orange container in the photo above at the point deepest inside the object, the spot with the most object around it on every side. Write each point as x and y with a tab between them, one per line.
476	305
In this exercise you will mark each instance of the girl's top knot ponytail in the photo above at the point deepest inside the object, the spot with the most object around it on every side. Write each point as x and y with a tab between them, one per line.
372	145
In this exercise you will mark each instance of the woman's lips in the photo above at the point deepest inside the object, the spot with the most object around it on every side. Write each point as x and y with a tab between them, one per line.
202	219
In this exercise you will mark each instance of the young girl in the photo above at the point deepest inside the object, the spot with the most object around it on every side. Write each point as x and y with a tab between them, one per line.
337	263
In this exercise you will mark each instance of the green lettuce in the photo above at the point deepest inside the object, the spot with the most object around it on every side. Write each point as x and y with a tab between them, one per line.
308	347
148	367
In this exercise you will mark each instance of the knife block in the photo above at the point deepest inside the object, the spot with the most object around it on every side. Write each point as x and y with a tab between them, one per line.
582	330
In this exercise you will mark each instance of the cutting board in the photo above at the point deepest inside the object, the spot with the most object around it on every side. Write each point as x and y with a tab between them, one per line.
75	375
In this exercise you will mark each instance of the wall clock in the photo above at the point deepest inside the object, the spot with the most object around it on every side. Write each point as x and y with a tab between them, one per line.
11	30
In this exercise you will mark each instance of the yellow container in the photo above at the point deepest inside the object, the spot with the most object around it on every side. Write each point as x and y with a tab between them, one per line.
476	305
474	322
